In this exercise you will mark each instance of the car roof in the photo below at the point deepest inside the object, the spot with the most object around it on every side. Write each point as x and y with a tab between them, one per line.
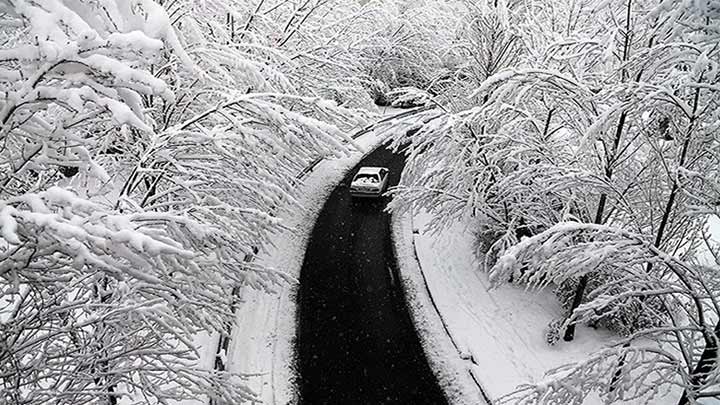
371	170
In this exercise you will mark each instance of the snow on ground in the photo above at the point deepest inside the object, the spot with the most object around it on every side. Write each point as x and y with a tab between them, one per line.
499	334
504	327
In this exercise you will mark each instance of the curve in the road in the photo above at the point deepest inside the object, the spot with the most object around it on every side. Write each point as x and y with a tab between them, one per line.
356	342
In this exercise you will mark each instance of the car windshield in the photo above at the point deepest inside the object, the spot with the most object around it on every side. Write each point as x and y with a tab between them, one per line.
366	178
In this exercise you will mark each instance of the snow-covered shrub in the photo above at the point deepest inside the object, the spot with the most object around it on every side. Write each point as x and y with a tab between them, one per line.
554	331
624	317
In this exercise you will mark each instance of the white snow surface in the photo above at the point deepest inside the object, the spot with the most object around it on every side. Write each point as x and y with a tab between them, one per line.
499	334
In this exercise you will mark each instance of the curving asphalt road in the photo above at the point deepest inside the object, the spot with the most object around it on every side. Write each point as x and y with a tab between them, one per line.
356	343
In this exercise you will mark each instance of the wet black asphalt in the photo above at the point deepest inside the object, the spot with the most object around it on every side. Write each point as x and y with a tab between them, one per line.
356	343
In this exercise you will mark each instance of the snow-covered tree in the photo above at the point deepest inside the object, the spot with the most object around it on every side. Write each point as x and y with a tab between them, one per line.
561	134
143	158
412	56
313	43
507	143
593	158
649	244
679	353
489	41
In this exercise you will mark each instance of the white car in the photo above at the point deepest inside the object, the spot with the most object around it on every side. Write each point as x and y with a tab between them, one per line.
369	182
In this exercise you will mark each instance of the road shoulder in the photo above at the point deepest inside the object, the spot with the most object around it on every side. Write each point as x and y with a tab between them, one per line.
452	371
485	336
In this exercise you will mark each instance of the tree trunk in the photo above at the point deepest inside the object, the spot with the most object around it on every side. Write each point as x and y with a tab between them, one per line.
577	300
704	366
103	366
582	283
609	162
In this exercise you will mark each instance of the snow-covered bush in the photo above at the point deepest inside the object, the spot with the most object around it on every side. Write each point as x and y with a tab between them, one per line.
554	331
624	318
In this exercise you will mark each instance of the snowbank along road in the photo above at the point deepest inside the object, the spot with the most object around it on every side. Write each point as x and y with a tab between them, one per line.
356	343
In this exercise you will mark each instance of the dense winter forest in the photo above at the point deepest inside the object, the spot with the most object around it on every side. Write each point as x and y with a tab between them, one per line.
145	146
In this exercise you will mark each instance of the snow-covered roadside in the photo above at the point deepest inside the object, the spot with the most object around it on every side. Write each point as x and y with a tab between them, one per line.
261	345
499	332
262	339
452	371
